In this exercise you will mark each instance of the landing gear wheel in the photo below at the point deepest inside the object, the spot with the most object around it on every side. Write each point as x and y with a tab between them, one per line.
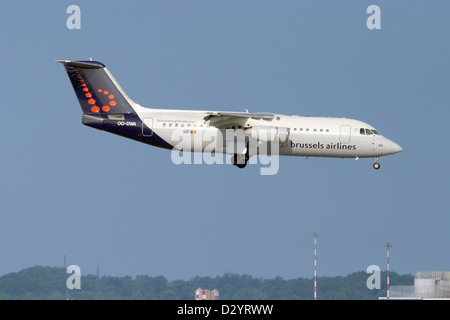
239	161
376	165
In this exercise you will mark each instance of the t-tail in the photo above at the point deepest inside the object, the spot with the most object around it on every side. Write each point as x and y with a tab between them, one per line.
96	89
105	105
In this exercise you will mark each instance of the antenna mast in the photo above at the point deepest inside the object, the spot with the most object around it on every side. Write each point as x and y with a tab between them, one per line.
388	245
315	235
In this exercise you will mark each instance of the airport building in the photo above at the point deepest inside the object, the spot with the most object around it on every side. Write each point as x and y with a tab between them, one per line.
202	294
428	285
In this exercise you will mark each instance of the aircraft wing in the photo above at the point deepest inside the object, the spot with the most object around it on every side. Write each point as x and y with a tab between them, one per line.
224	119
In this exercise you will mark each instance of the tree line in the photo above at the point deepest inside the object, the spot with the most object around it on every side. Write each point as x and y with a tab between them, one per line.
49	283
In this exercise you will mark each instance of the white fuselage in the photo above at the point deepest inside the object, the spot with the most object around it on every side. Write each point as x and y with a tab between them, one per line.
308	136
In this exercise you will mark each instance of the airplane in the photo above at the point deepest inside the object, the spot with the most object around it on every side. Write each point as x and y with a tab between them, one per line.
107	107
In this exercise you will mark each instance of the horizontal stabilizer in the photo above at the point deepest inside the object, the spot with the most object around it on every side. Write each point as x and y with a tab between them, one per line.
82	64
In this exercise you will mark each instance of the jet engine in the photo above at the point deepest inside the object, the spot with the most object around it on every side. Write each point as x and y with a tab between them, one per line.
268	133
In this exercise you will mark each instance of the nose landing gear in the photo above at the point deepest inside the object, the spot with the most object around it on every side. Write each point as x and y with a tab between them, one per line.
376	165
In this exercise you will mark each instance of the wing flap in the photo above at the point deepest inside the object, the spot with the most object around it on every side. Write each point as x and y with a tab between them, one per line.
265	116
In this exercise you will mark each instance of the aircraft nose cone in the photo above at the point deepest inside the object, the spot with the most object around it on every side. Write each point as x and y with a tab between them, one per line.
394	148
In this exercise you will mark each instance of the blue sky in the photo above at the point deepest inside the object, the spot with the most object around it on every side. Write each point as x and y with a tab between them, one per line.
100	199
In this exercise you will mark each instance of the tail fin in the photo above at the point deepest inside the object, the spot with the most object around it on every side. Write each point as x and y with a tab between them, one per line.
96	89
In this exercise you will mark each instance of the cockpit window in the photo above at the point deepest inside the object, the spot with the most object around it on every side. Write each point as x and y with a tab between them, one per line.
362	131
368	131
376	132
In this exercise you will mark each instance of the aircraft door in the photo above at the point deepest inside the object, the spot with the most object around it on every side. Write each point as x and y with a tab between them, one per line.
345	134
147	127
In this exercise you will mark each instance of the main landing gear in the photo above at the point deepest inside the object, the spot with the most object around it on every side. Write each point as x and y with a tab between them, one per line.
376	165
239	160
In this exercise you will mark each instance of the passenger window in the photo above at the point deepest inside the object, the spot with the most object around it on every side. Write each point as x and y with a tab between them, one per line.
362	131
368	132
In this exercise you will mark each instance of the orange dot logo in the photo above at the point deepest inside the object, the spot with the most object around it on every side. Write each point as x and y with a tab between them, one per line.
88	95
106	107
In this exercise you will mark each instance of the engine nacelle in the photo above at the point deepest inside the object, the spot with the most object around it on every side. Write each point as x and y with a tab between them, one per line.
268	134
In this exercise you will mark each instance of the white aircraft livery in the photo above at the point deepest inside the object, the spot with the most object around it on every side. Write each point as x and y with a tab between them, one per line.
241	134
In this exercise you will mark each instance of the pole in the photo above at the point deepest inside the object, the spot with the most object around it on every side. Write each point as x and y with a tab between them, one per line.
388	245
315	235
65	270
